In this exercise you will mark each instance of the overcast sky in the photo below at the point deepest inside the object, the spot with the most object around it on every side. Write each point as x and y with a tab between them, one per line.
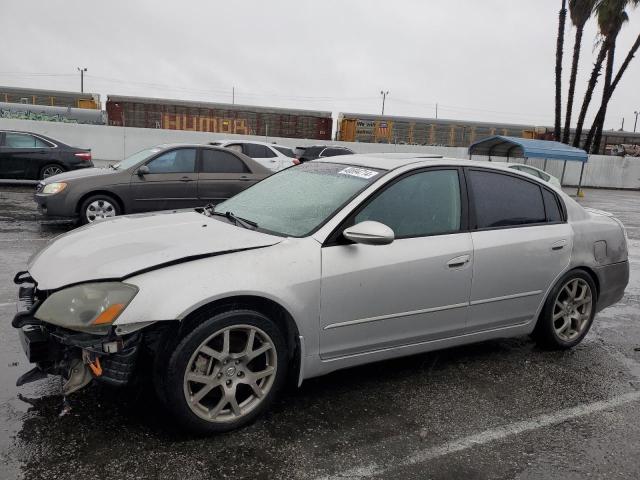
490	60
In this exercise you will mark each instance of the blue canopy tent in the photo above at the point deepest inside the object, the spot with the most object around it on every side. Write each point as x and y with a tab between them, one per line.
514	147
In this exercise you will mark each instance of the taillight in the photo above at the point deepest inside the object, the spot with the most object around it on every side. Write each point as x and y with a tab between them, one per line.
296	161
84	156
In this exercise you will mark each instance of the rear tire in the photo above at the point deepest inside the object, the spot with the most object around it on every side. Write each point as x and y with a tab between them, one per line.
50	170
224	373
568	312
98	207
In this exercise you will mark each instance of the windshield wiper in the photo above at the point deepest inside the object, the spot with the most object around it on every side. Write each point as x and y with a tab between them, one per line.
210	209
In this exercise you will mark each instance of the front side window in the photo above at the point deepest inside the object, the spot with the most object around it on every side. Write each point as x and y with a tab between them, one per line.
216	161
297	200
503	200
182	160
20	140
425	203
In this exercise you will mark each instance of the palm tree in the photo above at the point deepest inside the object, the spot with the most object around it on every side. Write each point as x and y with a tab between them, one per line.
614	17
560	42
580	11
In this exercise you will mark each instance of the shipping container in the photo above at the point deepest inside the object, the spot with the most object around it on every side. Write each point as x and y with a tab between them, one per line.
51	98
45	113
218	118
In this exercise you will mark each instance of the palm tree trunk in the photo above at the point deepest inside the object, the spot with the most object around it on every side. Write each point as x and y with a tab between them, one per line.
562	18
589	93
616	80
595	132
572	84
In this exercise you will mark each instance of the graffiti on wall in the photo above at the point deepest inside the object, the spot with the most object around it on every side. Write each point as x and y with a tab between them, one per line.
203	123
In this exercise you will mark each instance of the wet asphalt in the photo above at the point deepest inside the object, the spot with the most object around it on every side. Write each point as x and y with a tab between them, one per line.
500	409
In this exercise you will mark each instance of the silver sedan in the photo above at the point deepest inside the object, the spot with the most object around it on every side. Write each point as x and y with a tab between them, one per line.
322	266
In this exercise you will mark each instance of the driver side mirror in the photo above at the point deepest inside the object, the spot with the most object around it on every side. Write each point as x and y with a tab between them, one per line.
369	233
142	171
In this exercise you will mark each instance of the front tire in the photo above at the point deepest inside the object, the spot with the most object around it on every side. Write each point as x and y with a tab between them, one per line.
568	312
225	373
50	170
98	207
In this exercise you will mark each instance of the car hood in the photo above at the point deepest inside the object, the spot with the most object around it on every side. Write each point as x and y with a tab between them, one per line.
123	246
80	173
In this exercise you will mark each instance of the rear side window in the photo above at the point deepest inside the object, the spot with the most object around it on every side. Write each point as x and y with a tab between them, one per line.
254	150
503	200
551	206
216	161
20	140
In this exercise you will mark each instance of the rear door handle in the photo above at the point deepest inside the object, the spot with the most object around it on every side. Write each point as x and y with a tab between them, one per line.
186	179
458	262
559	245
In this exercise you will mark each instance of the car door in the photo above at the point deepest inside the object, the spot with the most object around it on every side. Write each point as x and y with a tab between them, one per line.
521	245
413	290
170	183
22	155
222	175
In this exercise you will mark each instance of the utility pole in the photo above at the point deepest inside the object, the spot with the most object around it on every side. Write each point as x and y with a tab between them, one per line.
622	127
436	111
384	97
635	124
82	70
233	95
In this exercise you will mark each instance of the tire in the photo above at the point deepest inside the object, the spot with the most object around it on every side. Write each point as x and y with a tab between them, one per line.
49	170
573	310
209	382
97	207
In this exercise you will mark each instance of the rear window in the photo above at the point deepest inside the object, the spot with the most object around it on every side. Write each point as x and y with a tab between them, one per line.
285	151
503	200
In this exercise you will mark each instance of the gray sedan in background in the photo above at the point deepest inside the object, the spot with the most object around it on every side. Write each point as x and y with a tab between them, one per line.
322	266
159	178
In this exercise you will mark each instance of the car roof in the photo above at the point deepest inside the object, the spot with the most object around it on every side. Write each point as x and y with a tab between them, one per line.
257	142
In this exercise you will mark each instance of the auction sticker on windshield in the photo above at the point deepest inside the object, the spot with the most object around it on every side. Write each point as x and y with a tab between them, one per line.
359	172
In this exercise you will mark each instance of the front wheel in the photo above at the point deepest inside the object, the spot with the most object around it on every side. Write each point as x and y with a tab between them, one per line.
225	373
98	207
50	170
568	312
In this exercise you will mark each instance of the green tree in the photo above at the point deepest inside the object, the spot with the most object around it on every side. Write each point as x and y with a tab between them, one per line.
579	11
612	16
559	45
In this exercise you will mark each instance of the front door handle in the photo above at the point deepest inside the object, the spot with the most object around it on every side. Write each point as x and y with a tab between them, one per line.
245	179
458	262
559	245
186	179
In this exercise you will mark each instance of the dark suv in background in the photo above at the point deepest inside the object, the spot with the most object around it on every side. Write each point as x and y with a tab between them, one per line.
30	156
320	151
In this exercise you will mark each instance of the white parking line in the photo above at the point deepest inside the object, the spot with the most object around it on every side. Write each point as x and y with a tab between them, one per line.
491	435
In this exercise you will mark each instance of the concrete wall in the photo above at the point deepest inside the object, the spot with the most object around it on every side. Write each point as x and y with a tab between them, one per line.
112	144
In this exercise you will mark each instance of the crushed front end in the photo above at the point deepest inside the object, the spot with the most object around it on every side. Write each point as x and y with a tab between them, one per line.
95	351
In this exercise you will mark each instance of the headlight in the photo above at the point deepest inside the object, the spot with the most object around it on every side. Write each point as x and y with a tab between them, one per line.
90	307
55	187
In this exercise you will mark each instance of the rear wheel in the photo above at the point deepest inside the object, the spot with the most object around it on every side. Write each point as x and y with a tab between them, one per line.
50	170
224	373
98	207
568	312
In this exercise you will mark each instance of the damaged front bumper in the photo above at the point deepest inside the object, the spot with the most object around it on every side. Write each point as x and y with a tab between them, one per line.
77	357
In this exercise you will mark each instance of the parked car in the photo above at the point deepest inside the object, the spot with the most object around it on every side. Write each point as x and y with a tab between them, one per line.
269	155
158	178
321	151
31	156
319	267
536	172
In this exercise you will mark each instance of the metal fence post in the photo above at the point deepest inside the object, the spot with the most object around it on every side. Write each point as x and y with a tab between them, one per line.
579	192
564	169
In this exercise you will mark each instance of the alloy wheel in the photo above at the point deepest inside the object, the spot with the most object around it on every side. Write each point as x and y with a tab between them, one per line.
50	171
572	309
230	373
99	209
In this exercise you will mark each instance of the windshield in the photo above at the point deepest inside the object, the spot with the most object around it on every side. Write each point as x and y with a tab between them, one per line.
295	201
136	158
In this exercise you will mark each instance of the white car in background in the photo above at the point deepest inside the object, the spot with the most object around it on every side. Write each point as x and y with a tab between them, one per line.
536	172
270	155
